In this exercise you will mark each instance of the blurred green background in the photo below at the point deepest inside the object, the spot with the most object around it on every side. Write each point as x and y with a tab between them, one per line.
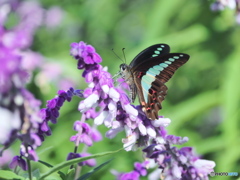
204	95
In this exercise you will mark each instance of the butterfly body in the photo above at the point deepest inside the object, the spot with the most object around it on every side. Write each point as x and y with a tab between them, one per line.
147	74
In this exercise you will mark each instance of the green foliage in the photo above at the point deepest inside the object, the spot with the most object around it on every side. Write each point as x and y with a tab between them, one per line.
61	174
7	175
77	160
89	174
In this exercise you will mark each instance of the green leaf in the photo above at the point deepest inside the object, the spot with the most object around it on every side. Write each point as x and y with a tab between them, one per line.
87	175
70	174
70	171
46	164
74	161
36	173
5	175
62	175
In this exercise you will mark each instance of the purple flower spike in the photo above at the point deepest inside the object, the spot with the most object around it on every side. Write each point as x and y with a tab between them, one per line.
111	106
89	162
204	166
84	138
32	155
11	73
19	110
131	175
84	127
85	54
21	121
139	170
18	161
96	135
28	152
5	158
74	156
86	134
51	104
176	139
51	113
178	163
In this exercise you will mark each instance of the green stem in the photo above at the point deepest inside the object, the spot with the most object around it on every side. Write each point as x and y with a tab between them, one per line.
77	160
75	151
79	168
29	169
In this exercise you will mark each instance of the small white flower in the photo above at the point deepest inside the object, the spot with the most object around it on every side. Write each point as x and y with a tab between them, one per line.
9	121
155	175
151	164
111	115
160	159
130	141
100	118
81	106
184	140
128	130
177	171
130	110
161	122
105	88
183	159
151	132
91	85
205	165
160	140
113	132
142	129
116	124
18	99
114	94
88	102
105	68
108	120
112	107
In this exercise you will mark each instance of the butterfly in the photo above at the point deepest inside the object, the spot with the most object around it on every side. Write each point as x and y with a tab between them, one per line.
147	74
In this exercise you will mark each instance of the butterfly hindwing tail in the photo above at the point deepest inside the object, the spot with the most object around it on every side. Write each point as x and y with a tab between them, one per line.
156	95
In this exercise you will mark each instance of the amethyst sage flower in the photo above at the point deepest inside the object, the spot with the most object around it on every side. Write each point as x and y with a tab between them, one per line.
110	105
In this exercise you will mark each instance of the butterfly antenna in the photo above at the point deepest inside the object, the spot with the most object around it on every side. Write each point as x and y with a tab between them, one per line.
124	55
117	55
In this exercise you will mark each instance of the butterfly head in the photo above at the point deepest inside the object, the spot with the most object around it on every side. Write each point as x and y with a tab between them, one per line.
124	69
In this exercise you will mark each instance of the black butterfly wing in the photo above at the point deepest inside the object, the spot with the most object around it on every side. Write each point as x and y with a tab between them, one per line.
150	52
150	76
156	94
163	67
